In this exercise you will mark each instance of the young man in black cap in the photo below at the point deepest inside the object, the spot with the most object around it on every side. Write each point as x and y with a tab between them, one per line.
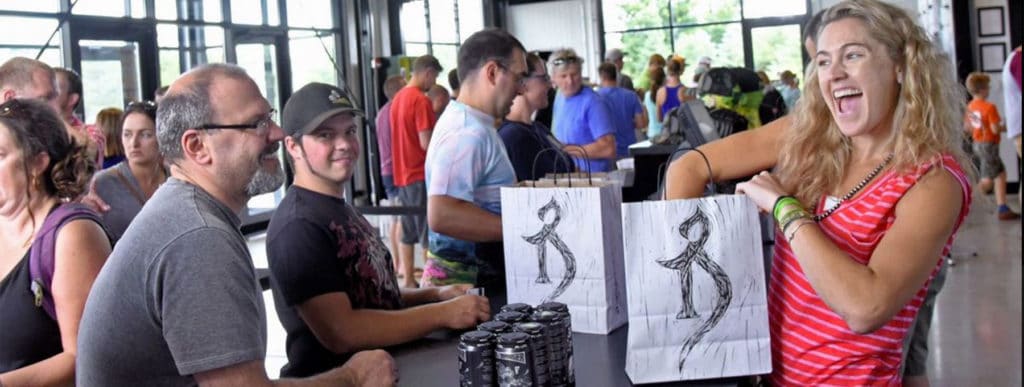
333	281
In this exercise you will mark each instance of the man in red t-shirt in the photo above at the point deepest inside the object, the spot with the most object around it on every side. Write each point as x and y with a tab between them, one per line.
983	121
412	121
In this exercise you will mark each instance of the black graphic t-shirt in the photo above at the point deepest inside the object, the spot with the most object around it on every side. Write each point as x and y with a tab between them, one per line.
318	244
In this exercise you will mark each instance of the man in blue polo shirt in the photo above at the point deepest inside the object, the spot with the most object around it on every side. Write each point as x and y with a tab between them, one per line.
625	107
581	118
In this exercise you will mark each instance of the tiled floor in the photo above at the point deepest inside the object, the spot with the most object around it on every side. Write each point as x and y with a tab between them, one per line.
976	331
976	334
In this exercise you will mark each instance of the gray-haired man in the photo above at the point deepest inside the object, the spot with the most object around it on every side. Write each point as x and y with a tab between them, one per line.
614	56
180	287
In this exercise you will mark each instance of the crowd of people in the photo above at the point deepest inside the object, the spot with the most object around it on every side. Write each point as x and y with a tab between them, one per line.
146	278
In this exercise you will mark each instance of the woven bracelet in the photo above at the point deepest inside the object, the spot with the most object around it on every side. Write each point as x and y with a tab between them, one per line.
793	235
792	219
792	215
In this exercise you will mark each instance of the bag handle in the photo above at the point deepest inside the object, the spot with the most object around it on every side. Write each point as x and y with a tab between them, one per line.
664	167
559	156
586	157
135	191
42	260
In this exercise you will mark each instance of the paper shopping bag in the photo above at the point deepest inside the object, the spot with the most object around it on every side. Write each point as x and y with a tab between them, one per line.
695	288
564	243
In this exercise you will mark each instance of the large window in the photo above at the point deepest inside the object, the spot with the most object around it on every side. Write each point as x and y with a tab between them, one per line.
30	40
185	46
31	5
124	49
438	27
730	32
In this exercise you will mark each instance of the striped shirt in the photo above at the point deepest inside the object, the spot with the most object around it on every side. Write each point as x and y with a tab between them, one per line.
811	344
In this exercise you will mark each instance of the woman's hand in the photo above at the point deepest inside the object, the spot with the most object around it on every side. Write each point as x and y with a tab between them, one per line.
445	293
764	189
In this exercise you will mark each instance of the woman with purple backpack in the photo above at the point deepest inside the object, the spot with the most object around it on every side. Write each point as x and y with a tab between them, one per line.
53	248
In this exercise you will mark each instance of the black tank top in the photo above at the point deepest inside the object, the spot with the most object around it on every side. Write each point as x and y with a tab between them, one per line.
27	334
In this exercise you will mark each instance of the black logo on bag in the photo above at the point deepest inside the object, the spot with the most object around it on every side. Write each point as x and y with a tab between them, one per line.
547	235
694	253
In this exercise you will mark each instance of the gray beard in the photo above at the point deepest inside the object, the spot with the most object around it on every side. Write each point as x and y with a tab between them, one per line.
265	182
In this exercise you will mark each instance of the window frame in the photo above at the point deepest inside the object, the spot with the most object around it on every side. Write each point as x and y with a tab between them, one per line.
73	27
746	25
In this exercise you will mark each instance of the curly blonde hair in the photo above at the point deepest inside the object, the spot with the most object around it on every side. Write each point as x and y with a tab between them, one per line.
926	123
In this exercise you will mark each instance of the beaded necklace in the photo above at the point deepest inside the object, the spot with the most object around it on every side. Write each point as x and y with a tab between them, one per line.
857	188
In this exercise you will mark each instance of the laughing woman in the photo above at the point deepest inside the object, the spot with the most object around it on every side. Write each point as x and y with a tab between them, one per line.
128	185
40	168
868	190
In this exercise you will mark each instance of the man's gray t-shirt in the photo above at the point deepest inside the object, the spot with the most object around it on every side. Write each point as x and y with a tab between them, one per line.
177	296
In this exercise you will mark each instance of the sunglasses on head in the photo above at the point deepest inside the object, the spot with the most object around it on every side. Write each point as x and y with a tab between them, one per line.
141	105
566	60
12	108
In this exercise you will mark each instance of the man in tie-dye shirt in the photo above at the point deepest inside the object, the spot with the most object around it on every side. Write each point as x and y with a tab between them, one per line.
467	165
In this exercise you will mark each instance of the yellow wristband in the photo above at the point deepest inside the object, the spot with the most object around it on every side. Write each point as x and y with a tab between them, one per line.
783	204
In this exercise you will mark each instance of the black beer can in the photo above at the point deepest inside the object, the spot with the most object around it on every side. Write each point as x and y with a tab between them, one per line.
511	317
518	307
495	327
539	347
554	330
514	360
564	311
476	359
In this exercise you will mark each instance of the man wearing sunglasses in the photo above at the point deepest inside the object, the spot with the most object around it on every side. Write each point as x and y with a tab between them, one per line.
581	118
467	165
180	287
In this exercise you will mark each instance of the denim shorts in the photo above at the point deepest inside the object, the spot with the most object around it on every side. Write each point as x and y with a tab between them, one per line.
389	187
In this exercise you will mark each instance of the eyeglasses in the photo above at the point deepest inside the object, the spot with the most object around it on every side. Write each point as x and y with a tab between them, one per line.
543	77
520	77
566	60
261	125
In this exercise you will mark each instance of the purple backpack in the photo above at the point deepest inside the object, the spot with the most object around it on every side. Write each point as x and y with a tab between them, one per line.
41	260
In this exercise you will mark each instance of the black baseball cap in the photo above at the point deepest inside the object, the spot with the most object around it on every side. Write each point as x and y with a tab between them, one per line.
315	103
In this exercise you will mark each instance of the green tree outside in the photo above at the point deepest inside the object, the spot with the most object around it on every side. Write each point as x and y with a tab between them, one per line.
701	28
